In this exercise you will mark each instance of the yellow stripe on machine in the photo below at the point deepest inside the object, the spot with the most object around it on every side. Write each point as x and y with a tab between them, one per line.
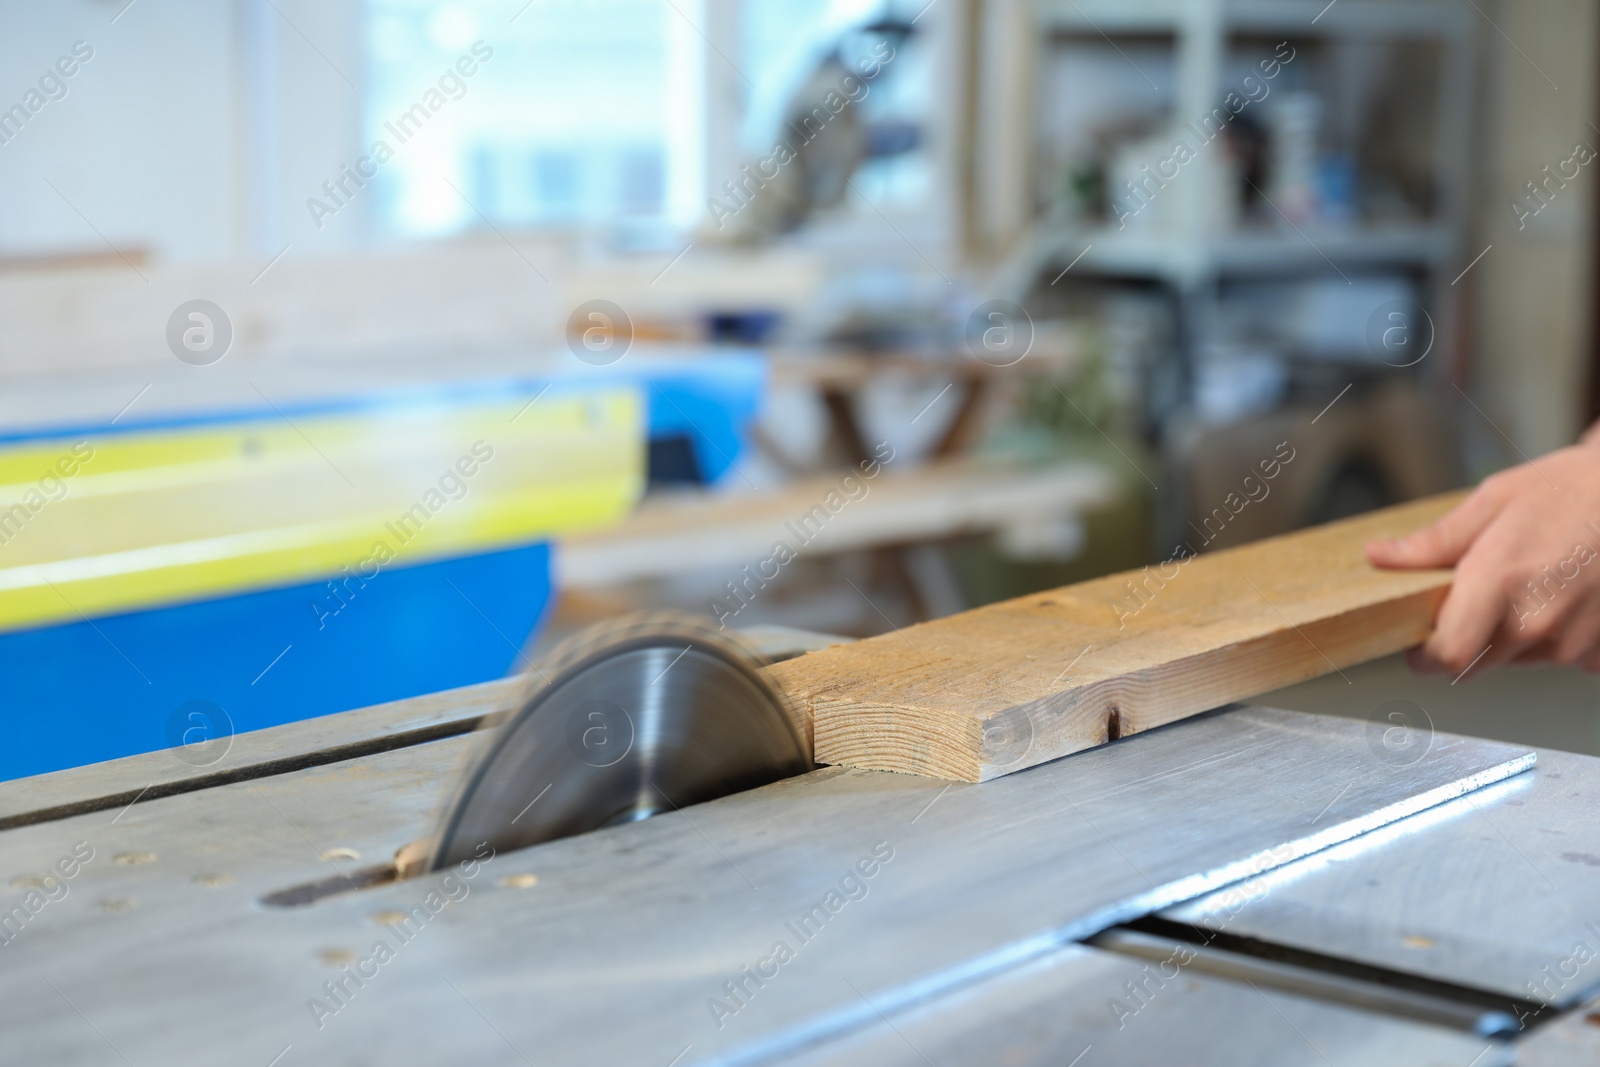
105	522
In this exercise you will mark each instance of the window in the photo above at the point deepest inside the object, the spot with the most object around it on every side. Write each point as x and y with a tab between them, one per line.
585	113
564	120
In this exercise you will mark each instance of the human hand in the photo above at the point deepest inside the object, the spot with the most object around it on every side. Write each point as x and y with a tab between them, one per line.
1526	550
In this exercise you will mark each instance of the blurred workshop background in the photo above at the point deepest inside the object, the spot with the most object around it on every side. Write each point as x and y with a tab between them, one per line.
356	349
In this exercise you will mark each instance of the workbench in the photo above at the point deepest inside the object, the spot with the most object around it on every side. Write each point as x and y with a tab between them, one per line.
1246	886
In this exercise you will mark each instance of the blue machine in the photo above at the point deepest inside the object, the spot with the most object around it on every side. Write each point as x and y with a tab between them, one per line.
219	573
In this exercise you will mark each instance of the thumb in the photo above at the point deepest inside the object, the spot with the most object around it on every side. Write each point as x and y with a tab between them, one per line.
1445	541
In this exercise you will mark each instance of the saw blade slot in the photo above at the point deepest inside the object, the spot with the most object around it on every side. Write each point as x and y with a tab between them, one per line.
409	862
298	896
1175	947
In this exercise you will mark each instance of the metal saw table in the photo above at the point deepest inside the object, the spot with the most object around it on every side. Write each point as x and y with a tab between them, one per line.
1250	886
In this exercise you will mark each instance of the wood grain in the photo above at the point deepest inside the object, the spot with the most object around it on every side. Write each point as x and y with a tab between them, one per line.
990	691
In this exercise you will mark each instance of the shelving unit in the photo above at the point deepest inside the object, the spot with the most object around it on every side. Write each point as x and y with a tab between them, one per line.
1163	62
1291	16
1195	249
1187	260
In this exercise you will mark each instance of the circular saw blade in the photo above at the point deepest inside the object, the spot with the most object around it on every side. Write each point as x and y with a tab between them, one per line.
648	715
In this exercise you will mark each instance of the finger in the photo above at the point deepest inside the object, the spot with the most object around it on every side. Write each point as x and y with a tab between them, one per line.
1419	661
1494	652
1425	662
1489	656
1517	640
1473	610
1561	632
1542	652
1591	662
1498	654
1442	543
1578	638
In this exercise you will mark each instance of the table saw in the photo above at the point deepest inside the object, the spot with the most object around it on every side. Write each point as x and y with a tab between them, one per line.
1249	886
1239	885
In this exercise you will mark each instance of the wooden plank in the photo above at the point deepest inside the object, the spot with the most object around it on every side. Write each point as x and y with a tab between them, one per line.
671	533
991	691
608	947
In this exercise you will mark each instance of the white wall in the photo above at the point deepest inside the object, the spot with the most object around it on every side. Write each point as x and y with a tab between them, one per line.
195	131
299	80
